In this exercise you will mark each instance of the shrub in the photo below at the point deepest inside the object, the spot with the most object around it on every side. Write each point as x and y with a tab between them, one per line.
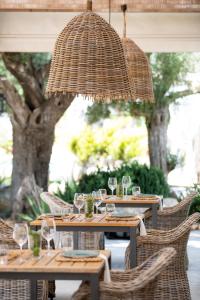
195	205
150	179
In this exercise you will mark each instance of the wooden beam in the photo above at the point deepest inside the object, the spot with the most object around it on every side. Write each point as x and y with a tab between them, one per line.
101	5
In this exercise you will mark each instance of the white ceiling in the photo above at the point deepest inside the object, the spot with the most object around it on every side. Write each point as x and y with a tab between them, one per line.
161	32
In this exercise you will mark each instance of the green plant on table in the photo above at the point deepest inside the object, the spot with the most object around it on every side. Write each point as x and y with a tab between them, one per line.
35	242
89	206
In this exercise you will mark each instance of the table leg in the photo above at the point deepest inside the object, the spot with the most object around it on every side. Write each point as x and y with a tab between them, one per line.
75	239
94	286
33	284
154	215
133	247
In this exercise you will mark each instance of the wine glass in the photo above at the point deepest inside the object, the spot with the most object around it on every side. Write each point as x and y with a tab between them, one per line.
126	183
112	183
20	235
79	201
136	190
48	231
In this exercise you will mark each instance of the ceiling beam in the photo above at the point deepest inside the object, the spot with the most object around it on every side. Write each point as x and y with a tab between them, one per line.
101	5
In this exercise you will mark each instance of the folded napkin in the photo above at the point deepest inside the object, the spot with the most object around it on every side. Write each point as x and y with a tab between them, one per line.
161	203
107	277
142	226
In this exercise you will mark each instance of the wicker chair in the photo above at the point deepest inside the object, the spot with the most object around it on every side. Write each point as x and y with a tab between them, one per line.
173	282
87	240
136	284
17	289
170	217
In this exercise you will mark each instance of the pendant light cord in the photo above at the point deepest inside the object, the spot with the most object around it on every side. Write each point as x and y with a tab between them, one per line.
89	5
124	9
109	18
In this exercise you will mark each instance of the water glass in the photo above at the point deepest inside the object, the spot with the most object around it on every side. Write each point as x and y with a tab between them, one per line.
136	190
66	212
3	254
67	241
97	199
103	194
110	207
48	231
112	183
126	183
79	201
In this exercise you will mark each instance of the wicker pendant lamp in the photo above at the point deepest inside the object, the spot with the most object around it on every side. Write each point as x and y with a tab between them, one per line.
138	66
88	59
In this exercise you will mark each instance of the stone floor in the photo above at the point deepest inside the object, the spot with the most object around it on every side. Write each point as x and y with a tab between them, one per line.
66	288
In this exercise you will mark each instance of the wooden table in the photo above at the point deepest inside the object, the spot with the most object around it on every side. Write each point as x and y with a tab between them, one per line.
153	204
47	268
98	224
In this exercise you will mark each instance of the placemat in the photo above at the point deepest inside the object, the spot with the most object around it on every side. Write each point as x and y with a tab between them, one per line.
61	258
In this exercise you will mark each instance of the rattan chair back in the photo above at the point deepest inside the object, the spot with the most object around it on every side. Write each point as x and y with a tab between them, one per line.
173	282
171	217
135	284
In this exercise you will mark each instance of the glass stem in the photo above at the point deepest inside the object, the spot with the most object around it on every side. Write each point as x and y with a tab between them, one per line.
48	246
112	192
20	249
79	210
126	191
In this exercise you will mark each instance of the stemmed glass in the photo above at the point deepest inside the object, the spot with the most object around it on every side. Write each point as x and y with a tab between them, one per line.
126	183
48	231
20	235
112	183
79	201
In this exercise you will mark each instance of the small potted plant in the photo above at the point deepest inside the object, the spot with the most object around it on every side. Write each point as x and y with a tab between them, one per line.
35	238
89	206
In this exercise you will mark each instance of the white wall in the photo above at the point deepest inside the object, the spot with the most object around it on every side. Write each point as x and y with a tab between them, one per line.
163	32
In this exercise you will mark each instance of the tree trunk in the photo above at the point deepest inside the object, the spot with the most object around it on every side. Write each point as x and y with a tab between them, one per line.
32	149
157	125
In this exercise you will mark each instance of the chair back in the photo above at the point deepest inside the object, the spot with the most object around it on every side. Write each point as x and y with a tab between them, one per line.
54	202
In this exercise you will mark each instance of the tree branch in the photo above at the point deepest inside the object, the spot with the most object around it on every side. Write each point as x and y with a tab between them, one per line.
180	94
24	74
20	110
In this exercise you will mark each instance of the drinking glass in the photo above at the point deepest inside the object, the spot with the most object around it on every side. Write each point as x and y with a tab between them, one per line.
20	234
103	194
79	201
67	241
112	183
97	199
126	183
48	231
66	212
3	254
136	190
110	207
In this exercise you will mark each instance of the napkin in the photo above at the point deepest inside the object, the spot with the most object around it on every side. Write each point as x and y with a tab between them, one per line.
161	204
142	226
107	277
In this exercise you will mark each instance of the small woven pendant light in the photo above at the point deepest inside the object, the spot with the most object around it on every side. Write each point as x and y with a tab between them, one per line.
89	60
139	70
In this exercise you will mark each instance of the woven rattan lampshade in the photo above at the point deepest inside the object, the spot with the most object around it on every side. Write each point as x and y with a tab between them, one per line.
89	60
138	70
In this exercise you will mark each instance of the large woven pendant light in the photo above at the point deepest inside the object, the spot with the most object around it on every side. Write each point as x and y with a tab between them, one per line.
139	70
88	59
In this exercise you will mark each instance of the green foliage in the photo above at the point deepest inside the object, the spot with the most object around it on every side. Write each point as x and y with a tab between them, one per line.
68	194
34	210
174	160
150	179
97	143
195	205
169	72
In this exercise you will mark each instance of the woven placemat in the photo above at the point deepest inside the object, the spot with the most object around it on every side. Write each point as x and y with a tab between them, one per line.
13	255
110	218
61	258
